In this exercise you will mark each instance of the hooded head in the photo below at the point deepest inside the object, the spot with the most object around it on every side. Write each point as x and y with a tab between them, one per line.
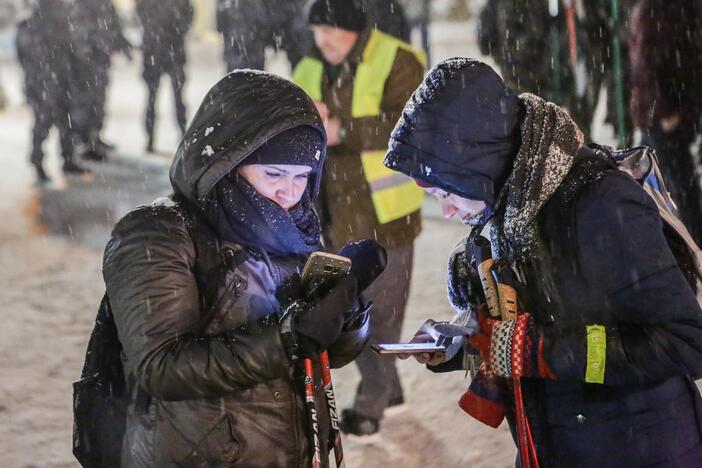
459	131
243	112
252	117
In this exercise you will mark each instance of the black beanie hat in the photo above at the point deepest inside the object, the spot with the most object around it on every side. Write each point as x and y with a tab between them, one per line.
344	14
301	145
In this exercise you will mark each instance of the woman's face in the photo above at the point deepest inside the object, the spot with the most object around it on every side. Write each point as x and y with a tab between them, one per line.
453	205
281	183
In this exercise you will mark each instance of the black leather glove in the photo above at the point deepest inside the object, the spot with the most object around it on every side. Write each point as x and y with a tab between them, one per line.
308	327
319	325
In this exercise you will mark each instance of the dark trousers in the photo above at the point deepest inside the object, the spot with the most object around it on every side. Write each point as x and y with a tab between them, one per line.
153	81
89	99
678	169
45	117
380	382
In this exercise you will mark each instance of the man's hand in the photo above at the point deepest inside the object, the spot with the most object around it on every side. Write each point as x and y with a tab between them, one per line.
322	109
332	125
426	334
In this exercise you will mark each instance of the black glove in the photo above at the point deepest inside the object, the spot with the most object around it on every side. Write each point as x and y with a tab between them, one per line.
308	327
289	291
319	325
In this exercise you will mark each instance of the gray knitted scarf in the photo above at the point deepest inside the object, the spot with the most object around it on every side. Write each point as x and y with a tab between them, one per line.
549	142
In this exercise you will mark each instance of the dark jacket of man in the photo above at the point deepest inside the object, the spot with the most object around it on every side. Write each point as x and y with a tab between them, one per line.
606	261
347	208
527	42
665	51
45	50
222	389
249	26
165	26
97	34
388	16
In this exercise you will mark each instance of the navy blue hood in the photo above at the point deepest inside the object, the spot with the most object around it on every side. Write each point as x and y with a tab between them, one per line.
459	131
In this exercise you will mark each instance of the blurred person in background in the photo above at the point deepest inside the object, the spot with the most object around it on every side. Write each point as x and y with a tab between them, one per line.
249	26
45	49
609	336
98	34
360	79
165	25
665	50
194	282
388	16
562	50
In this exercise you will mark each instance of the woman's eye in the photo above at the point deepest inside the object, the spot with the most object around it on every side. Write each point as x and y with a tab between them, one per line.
273	175
302	176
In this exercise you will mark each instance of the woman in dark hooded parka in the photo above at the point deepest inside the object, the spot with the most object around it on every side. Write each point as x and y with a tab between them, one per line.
613	335
192	282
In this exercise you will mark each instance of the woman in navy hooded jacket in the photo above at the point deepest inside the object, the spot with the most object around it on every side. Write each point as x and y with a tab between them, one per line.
588	246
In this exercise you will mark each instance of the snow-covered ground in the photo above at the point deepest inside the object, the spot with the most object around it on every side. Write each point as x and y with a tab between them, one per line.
51	284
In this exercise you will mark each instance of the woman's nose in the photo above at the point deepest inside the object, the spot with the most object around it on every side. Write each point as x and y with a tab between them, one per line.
286	195
447	209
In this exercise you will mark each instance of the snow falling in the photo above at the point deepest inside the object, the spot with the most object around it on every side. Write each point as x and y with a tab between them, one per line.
96	96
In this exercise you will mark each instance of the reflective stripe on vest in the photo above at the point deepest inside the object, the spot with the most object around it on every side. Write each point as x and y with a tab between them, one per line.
308	76
394	195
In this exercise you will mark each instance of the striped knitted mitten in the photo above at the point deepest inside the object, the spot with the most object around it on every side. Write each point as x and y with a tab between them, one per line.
515	347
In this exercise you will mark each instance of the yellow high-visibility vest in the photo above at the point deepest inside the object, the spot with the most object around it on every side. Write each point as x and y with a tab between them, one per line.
394	195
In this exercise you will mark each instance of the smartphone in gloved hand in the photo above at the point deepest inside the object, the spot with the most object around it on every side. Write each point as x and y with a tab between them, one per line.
321	272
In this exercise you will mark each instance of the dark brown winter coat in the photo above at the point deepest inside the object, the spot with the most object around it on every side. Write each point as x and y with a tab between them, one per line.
222	390
347	210
665	51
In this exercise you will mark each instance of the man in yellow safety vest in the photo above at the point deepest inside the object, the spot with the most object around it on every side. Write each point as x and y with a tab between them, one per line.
361	79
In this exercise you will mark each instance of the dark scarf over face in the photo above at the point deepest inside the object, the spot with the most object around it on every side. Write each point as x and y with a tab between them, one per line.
239	214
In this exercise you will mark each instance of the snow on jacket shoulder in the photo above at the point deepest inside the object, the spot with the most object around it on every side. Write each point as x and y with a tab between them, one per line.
148	270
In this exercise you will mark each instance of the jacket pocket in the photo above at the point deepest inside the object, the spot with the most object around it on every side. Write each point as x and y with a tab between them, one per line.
194	433
218	447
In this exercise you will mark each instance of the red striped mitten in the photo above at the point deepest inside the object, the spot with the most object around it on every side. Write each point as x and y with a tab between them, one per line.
514	348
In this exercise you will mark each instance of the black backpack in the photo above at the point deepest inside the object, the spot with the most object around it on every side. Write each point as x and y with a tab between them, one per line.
101	396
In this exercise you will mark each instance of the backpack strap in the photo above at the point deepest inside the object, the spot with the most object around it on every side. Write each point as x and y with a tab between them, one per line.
641	163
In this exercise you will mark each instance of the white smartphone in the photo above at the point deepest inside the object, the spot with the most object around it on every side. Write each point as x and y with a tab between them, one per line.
407	348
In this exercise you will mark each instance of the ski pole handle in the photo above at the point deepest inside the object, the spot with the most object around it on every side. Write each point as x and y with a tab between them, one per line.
507	294
483	258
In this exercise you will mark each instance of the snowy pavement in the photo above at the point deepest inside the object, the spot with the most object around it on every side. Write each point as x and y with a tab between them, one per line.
50	258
